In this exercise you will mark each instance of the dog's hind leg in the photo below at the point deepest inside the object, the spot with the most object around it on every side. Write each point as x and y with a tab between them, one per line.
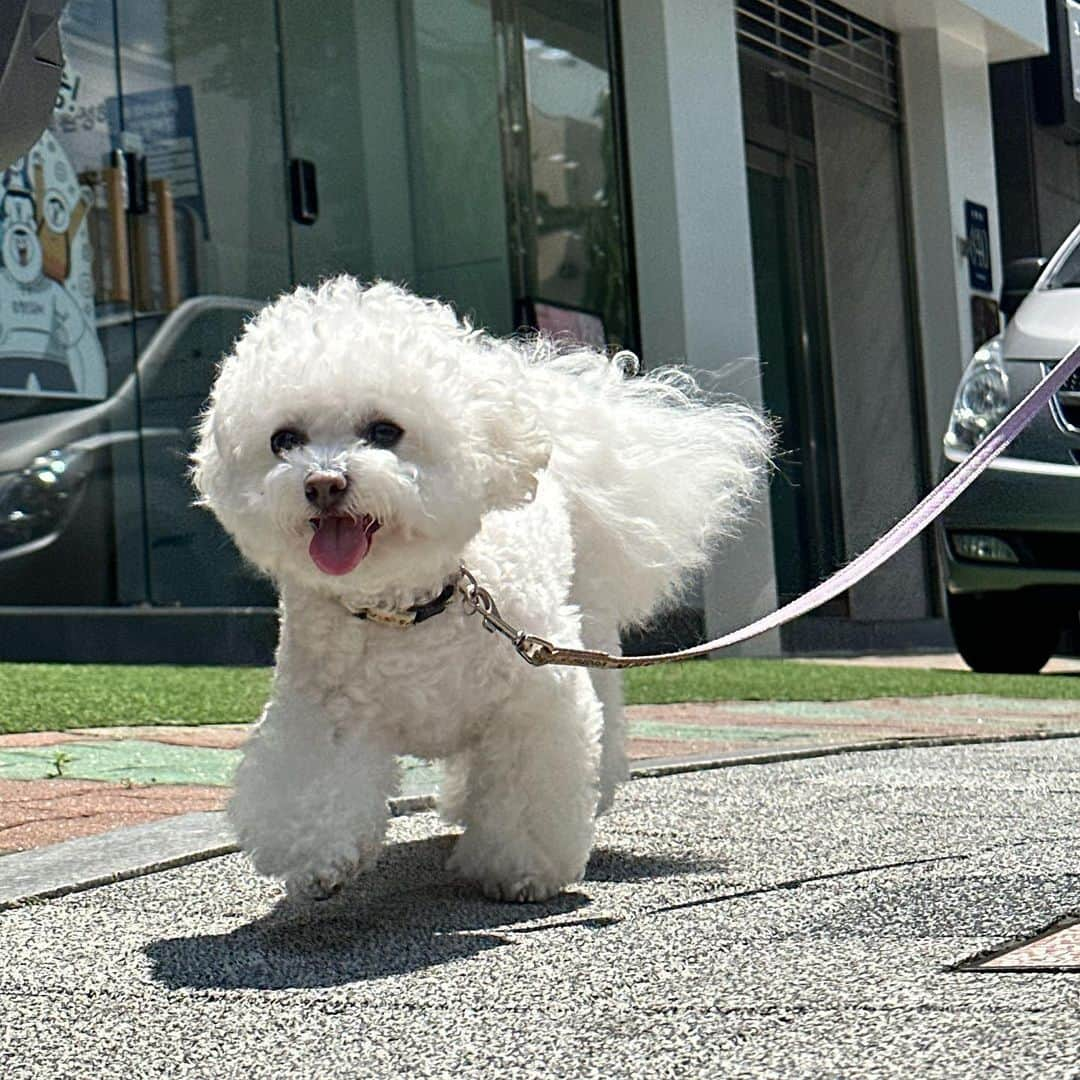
310	801
530	797
613	766
600	632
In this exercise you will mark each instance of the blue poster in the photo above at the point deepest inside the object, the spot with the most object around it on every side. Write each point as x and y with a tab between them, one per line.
980	273
164	122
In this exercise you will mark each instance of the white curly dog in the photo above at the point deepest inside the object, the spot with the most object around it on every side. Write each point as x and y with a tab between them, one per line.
361	445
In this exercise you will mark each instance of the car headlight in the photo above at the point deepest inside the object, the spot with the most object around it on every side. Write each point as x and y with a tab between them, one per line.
982	398
35	500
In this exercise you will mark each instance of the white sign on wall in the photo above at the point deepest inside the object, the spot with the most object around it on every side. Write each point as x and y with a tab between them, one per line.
1072	13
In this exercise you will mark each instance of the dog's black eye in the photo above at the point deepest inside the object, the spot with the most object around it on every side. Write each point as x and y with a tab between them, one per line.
382	434
281	442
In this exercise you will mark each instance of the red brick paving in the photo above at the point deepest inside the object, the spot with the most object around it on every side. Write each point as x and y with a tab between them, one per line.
34	813
214	736
856	721
38	812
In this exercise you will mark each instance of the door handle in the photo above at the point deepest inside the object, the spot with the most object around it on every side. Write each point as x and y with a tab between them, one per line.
305	191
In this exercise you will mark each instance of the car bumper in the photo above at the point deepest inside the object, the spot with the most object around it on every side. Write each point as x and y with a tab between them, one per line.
1035	507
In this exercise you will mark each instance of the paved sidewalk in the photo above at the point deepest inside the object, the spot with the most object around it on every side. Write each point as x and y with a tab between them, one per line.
793	919
58	785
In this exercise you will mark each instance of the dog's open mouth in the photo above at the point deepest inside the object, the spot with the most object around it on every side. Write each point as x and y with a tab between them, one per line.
341	541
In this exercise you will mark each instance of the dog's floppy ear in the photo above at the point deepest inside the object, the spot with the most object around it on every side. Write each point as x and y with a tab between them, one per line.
210	465
512	441
205	463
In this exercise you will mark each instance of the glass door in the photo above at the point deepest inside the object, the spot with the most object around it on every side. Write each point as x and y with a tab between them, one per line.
204	158
277	149
197	133
787	280
393	145
569	234
834	315
70	482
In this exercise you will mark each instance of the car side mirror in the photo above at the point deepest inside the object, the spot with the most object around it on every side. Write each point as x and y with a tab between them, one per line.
1020	278
31	65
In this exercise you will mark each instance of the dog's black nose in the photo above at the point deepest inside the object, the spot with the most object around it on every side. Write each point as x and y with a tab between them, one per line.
325	488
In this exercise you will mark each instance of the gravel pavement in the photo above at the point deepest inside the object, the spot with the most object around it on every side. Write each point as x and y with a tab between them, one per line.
794	919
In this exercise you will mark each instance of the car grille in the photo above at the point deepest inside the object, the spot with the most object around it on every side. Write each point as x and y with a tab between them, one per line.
1068	400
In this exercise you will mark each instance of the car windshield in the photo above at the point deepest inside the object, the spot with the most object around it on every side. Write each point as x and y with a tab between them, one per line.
1067	275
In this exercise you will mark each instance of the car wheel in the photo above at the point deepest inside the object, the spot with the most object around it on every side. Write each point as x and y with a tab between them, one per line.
1003	634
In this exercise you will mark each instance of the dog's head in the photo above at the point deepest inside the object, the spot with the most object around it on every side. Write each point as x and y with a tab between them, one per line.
356	437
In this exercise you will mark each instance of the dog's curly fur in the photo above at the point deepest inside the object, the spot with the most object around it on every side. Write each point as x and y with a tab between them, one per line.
582	499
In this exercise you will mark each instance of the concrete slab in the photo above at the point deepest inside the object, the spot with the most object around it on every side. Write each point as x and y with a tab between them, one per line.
115	856
86	862
795	919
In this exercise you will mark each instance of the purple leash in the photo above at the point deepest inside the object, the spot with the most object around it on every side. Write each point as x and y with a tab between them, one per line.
539	652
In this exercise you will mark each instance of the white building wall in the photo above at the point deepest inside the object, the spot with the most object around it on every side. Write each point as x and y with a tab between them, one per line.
945	49
1026	19
691	216
692	240
1003	29
951	159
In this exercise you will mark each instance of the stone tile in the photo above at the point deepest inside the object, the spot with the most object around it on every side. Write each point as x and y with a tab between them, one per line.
34	813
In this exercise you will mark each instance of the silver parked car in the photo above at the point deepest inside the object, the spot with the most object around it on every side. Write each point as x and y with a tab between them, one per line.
1011	543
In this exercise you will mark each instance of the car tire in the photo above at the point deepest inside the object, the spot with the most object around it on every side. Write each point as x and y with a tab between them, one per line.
1003	633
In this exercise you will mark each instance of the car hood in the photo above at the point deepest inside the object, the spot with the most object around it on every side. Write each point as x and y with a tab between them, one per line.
1045	327
22	440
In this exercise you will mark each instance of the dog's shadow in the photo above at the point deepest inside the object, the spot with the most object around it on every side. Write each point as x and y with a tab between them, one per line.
407	915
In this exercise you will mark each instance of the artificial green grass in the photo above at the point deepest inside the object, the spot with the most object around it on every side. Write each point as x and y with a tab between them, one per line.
54	697
787	680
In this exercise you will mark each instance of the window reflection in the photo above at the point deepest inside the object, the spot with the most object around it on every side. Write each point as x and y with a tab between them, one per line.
200	126
64	347
572	231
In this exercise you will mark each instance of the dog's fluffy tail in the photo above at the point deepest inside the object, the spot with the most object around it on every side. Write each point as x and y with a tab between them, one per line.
656	473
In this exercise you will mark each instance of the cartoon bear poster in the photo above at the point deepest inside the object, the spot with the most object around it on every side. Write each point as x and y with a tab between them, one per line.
48	340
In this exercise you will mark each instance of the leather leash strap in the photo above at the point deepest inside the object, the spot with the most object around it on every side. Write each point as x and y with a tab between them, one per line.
539	652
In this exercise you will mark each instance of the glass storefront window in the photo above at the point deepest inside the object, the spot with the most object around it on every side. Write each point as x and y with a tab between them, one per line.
157	213
67	426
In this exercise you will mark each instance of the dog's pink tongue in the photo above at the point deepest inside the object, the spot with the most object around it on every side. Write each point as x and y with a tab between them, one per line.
340	543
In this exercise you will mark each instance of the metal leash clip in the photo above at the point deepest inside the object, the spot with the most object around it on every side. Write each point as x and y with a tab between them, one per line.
478	600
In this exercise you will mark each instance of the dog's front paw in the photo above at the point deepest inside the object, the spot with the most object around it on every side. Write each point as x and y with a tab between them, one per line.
519	877
321	877
321	882
530	889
